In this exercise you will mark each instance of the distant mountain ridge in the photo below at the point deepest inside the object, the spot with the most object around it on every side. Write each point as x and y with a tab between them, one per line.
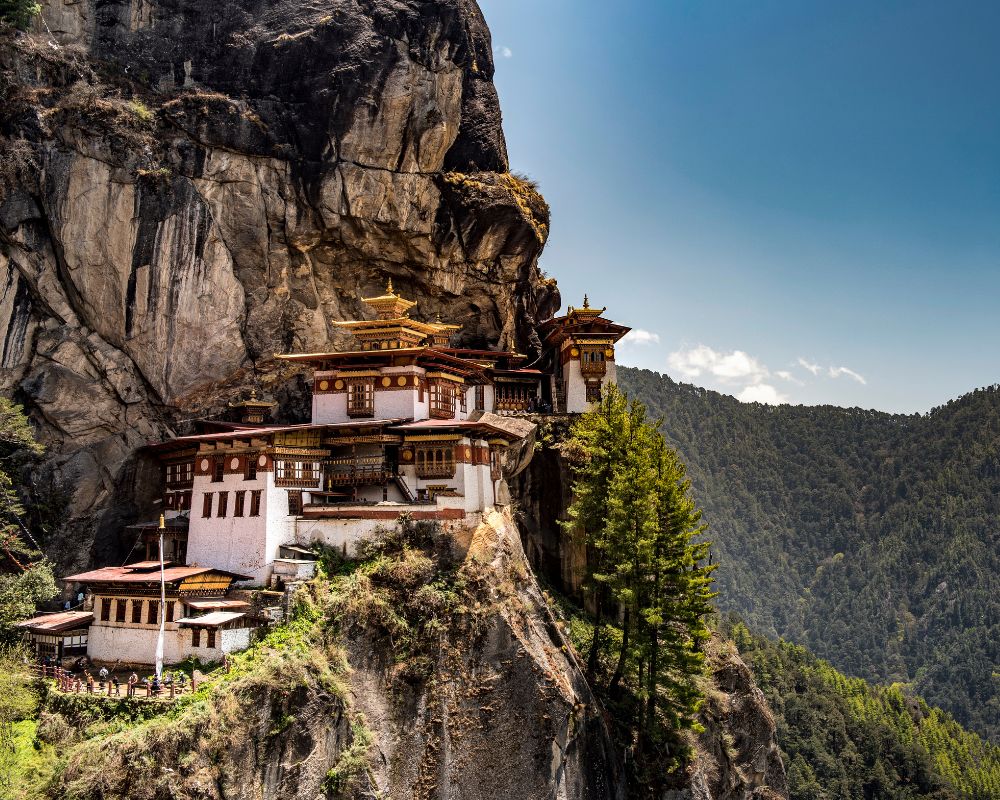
872	538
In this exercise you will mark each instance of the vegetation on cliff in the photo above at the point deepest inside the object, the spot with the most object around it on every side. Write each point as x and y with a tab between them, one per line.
844	739
647	571
871	538
18	13
25	575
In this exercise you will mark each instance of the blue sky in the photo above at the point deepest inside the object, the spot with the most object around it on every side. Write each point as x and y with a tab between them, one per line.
792	201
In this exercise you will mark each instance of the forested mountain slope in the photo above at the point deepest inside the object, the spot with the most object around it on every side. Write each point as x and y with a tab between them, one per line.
842	738
872	538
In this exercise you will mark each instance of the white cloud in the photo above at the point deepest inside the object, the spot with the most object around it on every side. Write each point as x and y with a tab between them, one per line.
506	52
762	393
637	337
785	375
815	369
836	372
734	367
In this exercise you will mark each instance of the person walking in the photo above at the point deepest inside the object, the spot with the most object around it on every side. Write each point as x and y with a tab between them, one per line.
102	677
133	679
90	683
115	686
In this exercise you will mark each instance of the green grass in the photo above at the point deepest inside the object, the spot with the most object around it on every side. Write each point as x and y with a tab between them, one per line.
32	765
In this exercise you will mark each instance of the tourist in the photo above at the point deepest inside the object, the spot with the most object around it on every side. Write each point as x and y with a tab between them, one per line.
90	683
115	686
133	679
102	677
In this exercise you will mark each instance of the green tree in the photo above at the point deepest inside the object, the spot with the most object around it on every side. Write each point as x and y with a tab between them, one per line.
646	562
18	13
679	596
26	578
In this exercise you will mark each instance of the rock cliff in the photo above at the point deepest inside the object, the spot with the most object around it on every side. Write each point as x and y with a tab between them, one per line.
487	701
188	188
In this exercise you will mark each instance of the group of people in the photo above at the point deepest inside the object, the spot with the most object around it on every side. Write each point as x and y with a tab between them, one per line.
107	683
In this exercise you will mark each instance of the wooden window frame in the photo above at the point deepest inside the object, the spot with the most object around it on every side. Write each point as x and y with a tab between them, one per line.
223	505
137	612
196	637
105	609
239	507
250	471
170	610
442	400
480	401
211	638
218	469
255	496
206	505
363	406
121	608
153	613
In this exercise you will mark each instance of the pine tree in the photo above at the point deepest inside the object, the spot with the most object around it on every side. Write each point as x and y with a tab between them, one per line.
646	560
28	578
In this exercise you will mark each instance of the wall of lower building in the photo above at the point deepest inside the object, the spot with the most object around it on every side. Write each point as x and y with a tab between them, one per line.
111	644
115	643
245	545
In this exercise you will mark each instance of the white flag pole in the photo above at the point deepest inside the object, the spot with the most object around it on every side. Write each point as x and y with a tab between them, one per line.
163	605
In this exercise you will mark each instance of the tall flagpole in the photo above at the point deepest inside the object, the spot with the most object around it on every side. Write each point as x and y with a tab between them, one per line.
163	605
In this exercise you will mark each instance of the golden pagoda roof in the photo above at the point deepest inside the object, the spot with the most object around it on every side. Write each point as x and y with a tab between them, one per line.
389	305
586	311
252	402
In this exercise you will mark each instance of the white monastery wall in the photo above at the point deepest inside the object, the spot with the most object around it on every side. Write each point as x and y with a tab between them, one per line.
576	388
280	527
231	640
134	644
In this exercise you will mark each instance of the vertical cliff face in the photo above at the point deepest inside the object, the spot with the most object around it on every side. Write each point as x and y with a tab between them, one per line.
193	187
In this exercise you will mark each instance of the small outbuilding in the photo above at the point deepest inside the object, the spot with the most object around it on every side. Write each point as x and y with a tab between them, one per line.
60	635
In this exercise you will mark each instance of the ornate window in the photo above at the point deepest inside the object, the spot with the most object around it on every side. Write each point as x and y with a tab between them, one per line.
153	617
196	637
120	610
105	609
218	469
361	399
211	638
593	361
206	506
442	399
137	612
180	474
223	504
435	462
480	398
593	393
250	474
241	497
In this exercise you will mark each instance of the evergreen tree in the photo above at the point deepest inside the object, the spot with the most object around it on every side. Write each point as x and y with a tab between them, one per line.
18	13
26	578
646	562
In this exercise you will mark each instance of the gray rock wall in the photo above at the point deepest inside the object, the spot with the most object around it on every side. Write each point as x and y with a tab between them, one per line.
192	187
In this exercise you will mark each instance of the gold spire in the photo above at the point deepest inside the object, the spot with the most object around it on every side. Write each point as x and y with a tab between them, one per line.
163	522
388	286
586	301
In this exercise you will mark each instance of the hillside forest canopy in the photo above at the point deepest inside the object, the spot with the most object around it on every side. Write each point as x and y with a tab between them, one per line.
871	538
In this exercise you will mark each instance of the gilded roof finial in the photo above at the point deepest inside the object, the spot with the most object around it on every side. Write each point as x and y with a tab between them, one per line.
586	301
388	287
253	394
437	318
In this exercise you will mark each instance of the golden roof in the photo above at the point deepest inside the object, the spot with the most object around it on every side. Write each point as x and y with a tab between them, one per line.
252	402
586	311
389	305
